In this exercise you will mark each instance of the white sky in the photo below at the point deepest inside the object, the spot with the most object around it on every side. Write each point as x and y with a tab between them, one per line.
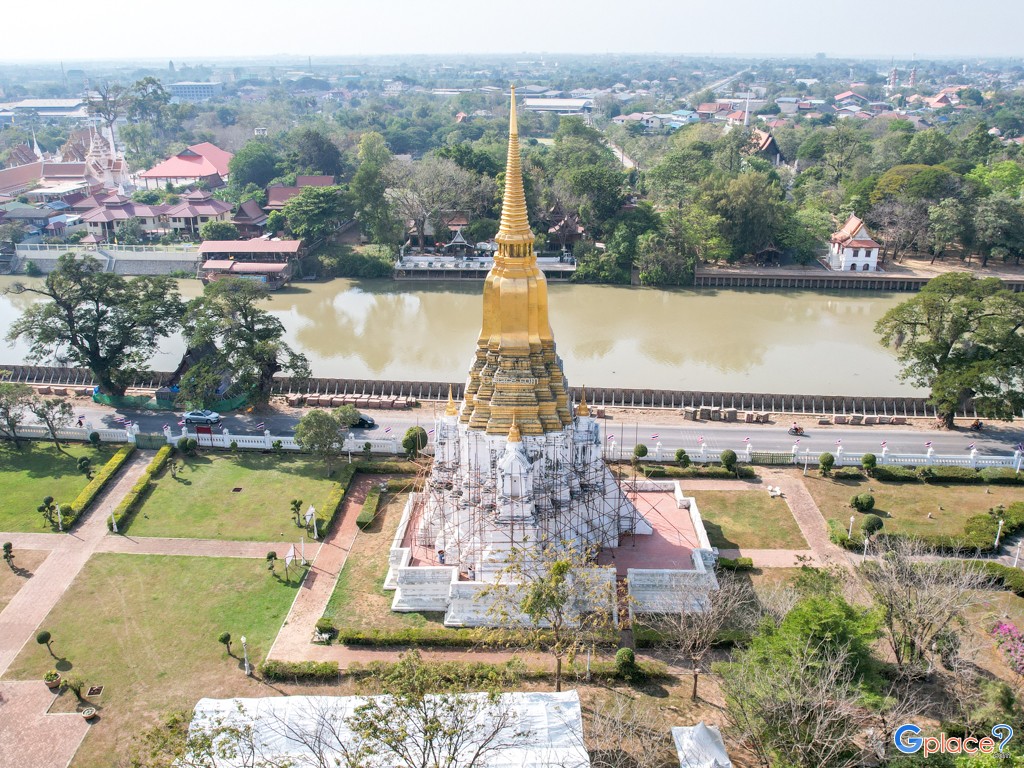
202	31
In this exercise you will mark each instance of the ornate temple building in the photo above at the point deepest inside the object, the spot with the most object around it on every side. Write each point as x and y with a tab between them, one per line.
515	464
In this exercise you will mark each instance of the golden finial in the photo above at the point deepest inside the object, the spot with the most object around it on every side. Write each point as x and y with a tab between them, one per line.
513	433
451	410
515	224
583	409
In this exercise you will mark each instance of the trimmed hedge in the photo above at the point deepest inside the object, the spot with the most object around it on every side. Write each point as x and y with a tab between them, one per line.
369	511
847	473
124	511
739	564
333	505
411	636
694	470
896	474
98	483
1001	476
387	467
949	475
1006	577
301	671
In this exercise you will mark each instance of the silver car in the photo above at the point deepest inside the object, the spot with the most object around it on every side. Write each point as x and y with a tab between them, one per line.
202	417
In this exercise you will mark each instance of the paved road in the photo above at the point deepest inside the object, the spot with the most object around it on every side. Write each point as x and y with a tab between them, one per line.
995	439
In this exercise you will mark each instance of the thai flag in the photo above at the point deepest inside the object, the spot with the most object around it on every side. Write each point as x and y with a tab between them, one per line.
122	420
970	447
655	436
701	439
430	431
1020	446
928	444
611	438
181	423
746	439
261	425
167	426
797	441
839	442
81	416
884	443
387	430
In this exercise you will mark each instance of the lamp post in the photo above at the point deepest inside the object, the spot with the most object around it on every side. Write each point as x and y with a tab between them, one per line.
1016	557
245	657
999	532
807	458
850	534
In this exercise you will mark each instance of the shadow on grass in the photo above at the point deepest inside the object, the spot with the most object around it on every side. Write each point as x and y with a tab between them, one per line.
38	463
717	536
63	665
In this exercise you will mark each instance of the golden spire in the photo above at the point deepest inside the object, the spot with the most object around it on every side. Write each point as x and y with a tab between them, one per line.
515	224
451	410
582	409
513	433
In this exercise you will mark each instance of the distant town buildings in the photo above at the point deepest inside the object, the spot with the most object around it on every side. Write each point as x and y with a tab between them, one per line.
190	91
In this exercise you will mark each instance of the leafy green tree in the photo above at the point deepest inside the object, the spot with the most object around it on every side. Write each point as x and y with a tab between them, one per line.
146	100
415	440
369	188
322	434
9	554
999	228
826	461
805	233
949	223
601	189
98	320
961	338
249	339
929	147
198	386
15	402
224	638
311	151
55	413
688	235
1006	177
129	232
255	163
48	509
682	458
872	524
276	222
978	146
316	212
12	232
218	230
752	211
843	146
45	638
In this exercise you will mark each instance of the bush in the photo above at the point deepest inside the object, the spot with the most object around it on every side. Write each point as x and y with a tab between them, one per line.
868	462
326	627
132	500
949	475
301	671
334	501
32	269
863	502
625	659
825	462
98	483
739	564
43	638
1001	476
871	525
728	459
94	438
1005	576
369	511
410	636
847	473
387	467
639	450
682	459
896	474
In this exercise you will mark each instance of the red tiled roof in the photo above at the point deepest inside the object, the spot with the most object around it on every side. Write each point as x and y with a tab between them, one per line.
862	244
198	204
278	196
17	178
197	161
250	212
314	181
250	246
244	267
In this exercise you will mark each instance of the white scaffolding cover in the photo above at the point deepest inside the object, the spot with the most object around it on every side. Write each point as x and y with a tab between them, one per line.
281	728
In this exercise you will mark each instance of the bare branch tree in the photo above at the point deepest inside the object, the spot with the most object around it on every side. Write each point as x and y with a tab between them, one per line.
626	732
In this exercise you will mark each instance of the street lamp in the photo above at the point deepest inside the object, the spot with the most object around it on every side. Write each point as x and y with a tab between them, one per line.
245	657
850	534
999	532
1017	556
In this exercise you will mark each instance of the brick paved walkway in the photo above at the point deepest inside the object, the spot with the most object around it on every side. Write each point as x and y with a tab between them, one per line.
31	737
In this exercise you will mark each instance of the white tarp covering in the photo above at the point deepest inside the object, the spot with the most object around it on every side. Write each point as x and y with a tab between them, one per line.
700	746
545	730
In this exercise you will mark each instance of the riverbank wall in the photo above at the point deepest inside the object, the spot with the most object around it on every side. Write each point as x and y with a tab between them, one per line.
824	281
127	260
598	397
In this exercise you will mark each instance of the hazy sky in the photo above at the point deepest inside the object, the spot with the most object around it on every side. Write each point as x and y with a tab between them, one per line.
196	31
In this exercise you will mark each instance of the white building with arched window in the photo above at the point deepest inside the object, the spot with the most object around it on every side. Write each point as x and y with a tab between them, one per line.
853	249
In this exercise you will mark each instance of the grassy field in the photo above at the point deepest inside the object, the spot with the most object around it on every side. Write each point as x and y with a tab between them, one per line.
359	600
38	470
201	502
905	506
13	578
748	519
132	624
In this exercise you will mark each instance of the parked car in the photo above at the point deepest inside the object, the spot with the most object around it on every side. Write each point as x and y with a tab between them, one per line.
201	417
365	422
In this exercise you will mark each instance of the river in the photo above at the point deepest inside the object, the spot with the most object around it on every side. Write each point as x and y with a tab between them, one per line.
712	340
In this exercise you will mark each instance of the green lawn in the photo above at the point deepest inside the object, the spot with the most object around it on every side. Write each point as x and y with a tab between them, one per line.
134	625
359	600
36	471
14	576
748	519
905	506
201	504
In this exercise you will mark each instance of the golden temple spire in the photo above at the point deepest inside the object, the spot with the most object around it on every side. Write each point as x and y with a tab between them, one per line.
583	409
515	224
451	409
513	433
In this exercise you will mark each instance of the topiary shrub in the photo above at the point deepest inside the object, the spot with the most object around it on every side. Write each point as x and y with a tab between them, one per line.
826	461
728	459
863	502
625	660
639	451
682	458
868	462
94	438
191	445
871	525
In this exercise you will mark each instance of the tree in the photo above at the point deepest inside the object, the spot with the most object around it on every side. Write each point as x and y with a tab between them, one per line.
868	462
197	388
415	440
255	163
728	459
225	639
9	554
929	147
129	232
639	450
12	232
15	401
688	235
753	212
556	596
872	524
316	212
999	228
682	458
55	414
276	222
218	230
369	189
310	151
108	104
296	507
961	338
98	320
922	597
419	192
949	224
843	146
805	233
146	100
321	433
826	461
45	638
249	339
902	223
696	622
